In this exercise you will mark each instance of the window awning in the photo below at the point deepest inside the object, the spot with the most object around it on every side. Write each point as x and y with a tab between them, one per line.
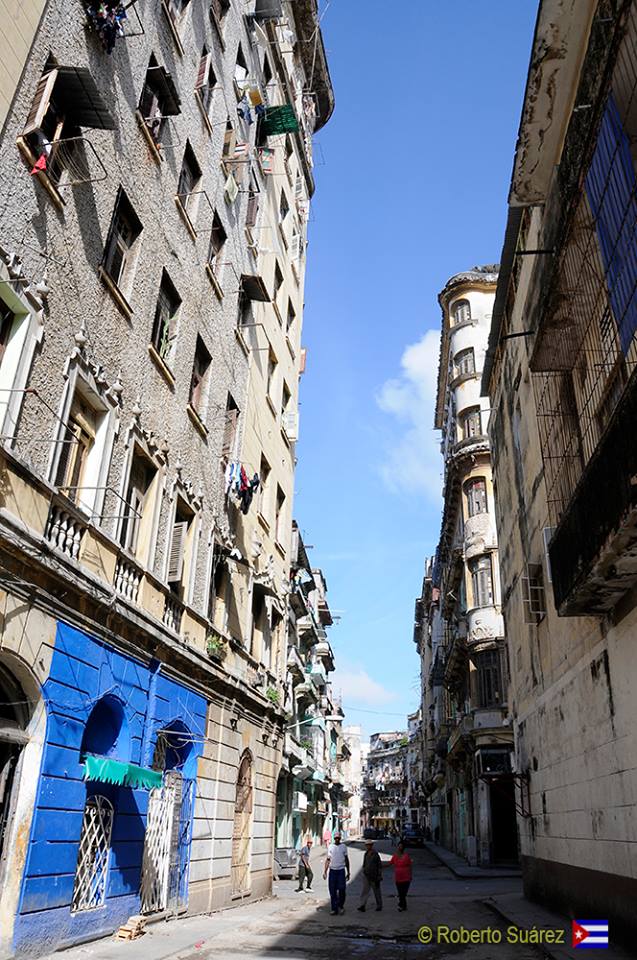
253	287
79	99
104	770
167	91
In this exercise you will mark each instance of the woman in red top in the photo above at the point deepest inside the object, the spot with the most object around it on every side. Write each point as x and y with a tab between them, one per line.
401	863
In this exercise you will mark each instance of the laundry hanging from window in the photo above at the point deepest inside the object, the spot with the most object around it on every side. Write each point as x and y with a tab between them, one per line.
239	486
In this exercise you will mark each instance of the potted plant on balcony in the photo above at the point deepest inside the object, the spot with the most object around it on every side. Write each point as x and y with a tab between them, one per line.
273	696
216	646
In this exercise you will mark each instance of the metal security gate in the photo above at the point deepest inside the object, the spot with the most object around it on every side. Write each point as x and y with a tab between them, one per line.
89	890
162	855
241	830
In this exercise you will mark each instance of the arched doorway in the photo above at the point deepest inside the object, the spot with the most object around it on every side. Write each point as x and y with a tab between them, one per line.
22	730
14	719
166	858
241	832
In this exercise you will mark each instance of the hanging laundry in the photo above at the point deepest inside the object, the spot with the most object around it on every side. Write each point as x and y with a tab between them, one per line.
107	19
248	494
260	110
244	483
40	164
244	111
231	189
231	474
242	149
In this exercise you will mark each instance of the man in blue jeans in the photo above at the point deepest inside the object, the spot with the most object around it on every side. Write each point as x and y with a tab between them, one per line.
337	864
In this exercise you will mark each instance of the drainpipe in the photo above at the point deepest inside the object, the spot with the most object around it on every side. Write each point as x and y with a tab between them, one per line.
154	668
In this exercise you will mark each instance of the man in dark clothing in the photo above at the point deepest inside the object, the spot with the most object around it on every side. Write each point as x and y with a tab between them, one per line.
305	870
372	876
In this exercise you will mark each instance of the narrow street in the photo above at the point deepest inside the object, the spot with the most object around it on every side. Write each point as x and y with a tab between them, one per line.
295	925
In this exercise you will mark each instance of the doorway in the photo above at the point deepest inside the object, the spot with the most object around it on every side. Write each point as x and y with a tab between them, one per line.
241	838
504	831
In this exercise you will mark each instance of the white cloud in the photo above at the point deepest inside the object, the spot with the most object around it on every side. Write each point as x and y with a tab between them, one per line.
412	461
355	685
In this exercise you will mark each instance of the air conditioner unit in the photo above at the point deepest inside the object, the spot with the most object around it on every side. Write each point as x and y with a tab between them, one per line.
299	801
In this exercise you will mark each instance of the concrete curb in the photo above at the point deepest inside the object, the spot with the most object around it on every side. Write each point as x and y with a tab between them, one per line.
542	948
467	872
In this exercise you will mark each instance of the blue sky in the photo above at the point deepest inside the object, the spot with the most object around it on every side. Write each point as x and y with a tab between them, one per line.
413	188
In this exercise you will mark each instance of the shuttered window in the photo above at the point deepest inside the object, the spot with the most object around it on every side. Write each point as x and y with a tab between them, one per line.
471	422
206	80
142	473
253	205
464	362
76	444
176	552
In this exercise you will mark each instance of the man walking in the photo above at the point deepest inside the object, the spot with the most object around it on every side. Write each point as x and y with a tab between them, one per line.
337	864
305	870
372	876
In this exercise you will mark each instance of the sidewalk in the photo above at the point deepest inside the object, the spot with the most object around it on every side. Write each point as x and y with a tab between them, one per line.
515	910
460	867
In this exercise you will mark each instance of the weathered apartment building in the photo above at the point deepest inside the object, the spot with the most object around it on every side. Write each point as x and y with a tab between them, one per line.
384	790
156	171
313	785
459	628
562	382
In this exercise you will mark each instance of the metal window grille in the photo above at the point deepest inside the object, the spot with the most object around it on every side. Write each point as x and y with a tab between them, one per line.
587	348
464	362
533	595
89	891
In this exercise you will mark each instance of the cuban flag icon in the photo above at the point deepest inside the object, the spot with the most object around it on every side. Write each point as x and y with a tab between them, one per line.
590	934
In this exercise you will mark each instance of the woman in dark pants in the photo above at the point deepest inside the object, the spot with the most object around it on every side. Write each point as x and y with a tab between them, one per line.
402	864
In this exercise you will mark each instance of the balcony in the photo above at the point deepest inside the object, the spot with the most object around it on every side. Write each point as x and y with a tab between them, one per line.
593	553
295	664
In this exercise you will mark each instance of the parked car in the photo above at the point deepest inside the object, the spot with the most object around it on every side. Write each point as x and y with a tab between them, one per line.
285	863
413	836
370	833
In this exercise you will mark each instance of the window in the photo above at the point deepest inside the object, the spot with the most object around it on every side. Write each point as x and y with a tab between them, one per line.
89	889
189	179
159	100
218	237
76	444
7	317
279	518
267	72
200	368
176	10
476	494
464	362
460	312
253	204
124	230
229	143
230	430
286	396
259	626
218	11
291	317
490	693
271	375
137	515
481	581
278	281
289	153
180	547
206	80
284	208
240	74
66	99
533	595
165	323
471	423
251	288
264	476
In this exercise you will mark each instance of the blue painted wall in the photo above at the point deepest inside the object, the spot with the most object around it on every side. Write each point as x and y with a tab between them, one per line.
83	671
